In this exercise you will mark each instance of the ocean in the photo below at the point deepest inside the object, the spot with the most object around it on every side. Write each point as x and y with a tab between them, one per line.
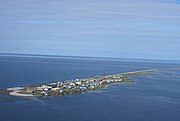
152	96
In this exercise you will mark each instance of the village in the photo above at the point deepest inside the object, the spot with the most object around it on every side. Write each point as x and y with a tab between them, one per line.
72	86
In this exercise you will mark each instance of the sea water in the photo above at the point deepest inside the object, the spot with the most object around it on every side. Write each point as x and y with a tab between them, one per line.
152	96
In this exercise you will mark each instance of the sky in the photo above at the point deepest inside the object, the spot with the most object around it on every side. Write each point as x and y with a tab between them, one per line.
145	29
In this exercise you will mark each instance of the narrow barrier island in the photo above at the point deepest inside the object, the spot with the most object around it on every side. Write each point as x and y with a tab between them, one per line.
73	86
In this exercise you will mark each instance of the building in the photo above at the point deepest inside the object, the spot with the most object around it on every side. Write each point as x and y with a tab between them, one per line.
78	83
83	87
44	87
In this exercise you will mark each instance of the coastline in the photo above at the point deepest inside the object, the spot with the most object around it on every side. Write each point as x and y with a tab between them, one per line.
74	86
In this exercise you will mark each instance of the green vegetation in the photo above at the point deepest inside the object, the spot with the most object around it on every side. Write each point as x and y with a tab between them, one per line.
37	93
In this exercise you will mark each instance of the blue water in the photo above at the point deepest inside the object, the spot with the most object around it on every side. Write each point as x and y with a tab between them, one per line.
153	97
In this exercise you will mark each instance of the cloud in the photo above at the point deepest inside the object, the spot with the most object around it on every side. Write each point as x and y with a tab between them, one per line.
142	15
51	22
28	24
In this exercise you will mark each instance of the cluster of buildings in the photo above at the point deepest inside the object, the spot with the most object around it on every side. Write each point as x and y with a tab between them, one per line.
77	85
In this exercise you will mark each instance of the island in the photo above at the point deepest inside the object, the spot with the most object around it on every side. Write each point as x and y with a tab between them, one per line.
73	86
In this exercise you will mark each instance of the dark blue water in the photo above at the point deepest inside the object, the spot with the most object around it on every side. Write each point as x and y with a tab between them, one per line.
153	97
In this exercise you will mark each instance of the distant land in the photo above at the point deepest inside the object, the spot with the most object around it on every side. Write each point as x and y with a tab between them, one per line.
86	57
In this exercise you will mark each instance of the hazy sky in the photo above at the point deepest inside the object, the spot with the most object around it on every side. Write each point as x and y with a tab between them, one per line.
103	28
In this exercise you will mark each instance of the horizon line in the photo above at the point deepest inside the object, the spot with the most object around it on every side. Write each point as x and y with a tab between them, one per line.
74	56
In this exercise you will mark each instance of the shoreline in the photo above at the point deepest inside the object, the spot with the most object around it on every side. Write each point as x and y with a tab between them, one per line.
74	86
